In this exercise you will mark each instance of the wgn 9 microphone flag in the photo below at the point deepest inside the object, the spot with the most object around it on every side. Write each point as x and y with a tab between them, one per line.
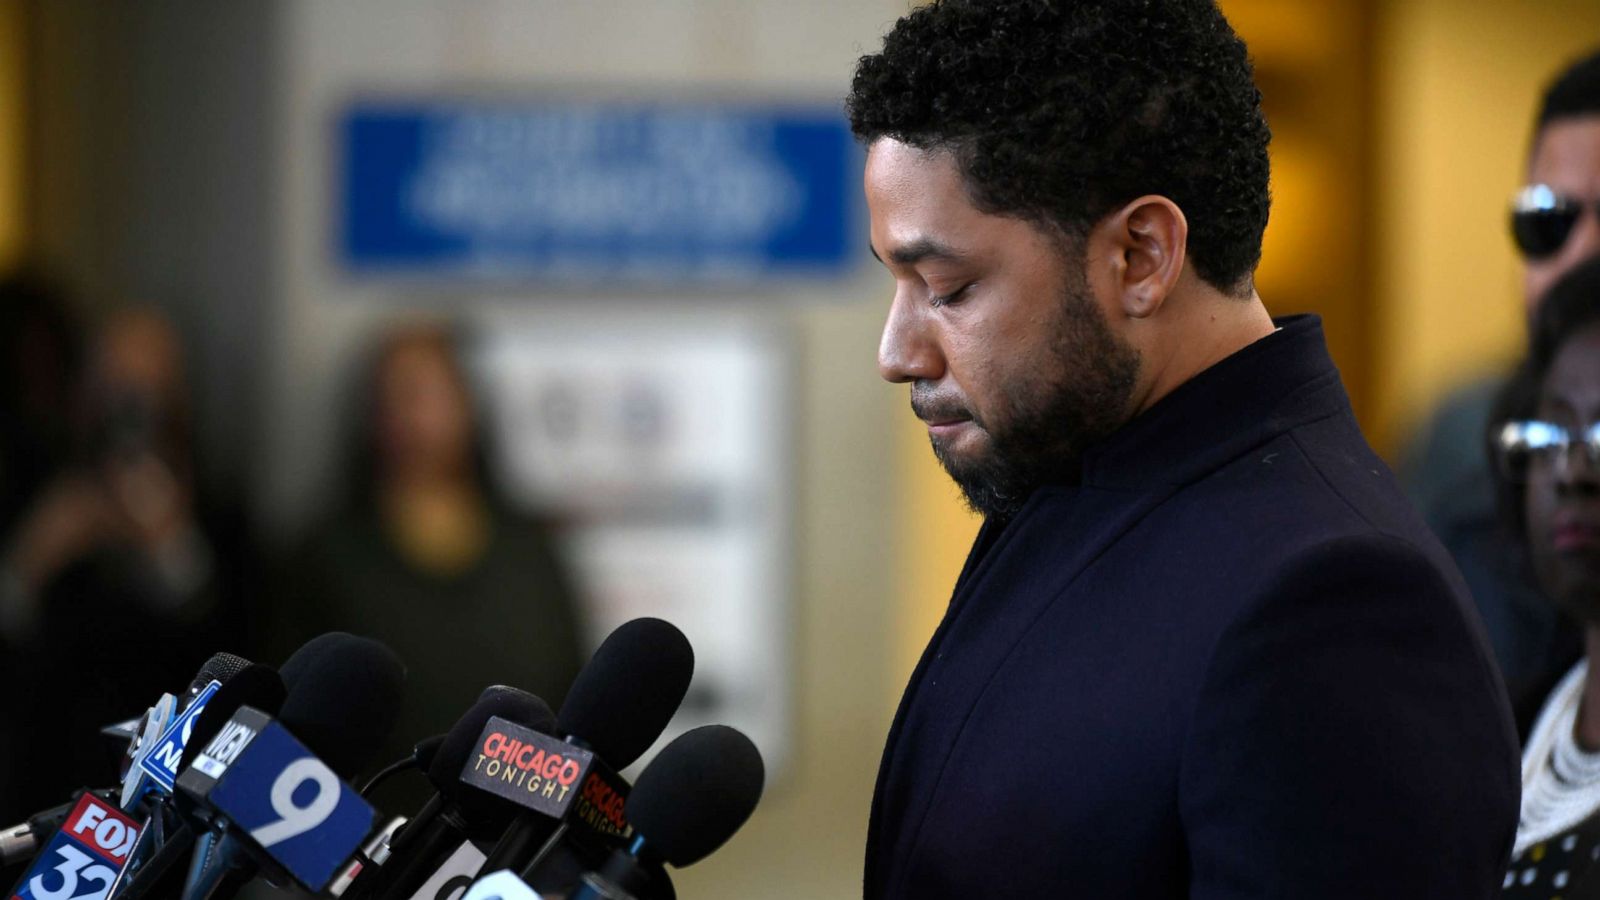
288	802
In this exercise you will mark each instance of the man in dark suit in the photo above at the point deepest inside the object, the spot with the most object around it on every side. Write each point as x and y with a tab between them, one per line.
1202	646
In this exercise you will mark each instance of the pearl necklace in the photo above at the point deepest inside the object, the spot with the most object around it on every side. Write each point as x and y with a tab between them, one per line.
1560	780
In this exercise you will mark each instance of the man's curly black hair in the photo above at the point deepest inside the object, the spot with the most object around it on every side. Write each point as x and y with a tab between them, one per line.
1059	111
1574	93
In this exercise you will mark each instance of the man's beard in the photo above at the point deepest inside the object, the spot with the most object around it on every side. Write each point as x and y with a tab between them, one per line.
1078	398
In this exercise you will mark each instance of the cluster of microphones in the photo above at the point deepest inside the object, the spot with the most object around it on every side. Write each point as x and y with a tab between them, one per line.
246	775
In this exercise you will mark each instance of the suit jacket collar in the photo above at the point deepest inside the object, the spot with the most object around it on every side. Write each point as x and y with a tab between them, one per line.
1281	380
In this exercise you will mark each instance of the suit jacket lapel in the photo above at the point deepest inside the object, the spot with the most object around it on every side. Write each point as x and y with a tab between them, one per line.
1056	535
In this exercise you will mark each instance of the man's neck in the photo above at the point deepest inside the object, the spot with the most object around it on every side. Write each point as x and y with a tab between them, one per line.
1212	330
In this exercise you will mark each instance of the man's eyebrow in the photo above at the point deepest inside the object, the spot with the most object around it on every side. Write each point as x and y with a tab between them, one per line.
1556	401
918	251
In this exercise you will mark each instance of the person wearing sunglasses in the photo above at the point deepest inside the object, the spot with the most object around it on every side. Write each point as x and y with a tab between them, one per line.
1545	442
1555	225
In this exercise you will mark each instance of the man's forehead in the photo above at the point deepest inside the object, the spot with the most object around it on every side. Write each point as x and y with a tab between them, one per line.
1568	155
894	154
913	250
1579	357
909	178
919	204
1573	380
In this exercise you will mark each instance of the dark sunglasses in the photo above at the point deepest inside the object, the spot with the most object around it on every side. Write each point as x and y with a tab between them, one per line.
1524	445
1541	219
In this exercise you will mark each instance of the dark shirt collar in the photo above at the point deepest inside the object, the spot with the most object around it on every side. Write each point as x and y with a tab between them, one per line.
1275	383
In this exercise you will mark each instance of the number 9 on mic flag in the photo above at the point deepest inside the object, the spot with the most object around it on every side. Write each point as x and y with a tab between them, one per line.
289	802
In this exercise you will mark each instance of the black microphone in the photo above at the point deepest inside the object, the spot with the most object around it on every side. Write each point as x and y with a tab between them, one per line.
149	763
220	667
355	685
166	838
617	707
259	686
341	704
692	797
457	811
629	690
118	828
138	790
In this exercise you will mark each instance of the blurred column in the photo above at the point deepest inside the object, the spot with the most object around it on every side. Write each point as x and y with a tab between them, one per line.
149	179
1313	63
13	132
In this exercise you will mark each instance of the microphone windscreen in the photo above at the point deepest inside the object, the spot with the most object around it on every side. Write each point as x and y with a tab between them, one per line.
254	685
622	700
500	700
484	812
696	793
520	706
220	667
343	700
309	656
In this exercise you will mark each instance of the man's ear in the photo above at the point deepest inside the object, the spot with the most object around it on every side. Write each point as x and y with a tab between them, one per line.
1142	249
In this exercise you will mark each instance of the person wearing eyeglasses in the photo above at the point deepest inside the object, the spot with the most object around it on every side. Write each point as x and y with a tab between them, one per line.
1546	445
1555	225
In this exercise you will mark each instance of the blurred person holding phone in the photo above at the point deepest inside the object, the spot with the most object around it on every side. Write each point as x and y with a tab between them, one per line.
1555	222
1546	445
116	580
426	554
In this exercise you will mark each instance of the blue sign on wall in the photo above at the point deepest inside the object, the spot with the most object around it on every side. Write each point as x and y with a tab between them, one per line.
586	192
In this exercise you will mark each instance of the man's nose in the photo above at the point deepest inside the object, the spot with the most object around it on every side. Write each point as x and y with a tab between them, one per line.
1584	241
908	350
1579	472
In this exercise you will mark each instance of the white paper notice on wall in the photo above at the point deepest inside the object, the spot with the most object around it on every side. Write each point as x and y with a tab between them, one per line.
663	443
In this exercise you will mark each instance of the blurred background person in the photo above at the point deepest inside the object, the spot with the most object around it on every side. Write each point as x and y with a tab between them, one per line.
1556	224
1546	441
425	554
118	581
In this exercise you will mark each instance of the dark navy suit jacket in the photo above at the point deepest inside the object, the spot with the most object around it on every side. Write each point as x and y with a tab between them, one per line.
1230	663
